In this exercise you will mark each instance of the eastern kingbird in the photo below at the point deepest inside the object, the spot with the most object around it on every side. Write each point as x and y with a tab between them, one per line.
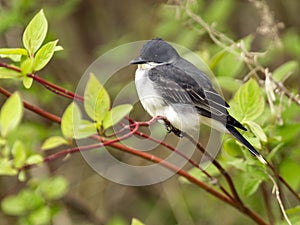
173	88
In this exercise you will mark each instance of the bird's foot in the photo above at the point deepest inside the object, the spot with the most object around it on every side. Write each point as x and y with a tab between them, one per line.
170	128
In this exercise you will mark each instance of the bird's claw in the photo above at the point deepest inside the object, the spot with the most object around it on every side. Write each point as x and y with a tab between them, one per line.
170	128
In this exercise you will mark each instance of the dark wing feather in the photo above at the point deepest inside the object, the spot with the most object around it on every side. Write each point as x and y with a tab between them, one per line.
176	86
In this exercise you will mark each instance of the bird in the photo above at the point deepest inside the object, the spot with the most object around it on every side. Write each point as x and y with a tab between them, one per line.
171	87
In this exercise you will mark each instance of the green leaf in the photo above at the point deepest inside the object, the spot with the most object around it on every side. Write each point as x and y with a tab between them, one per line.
96	100
44	55
295	210
22	176
41	216
11	114
135	221
30	199
254	141
27	82
248	103
27	66
232	148
229	83
257	130
34	159
218	11
13	205
115	115
274	151
12	53
257	172
290	171
54	188
6	168
237	163
58	48
19	154
285	70
35	33
54	142
70	121
250	186
85	129
229	65
10	74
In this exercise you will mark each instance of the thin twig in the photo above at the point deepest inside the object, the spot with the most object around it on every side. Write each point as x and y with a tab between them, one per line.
277	193
212	179
219	167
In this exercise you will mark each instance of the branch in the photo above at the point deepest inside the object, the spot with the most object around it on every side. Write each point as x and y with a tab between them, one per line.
52	87
219	167
33	108
212	179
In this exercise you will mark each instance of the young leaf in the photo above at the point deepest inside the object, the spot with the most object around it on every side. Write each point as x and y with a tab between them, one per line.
11	114
44	55
229	65
13	53
232	148
250	186
282	72
54	188
27	82
6	168
13	205
34	159
135	221
10	74
27	66
248	102
19	154
40	216
70	121
290	171
257	130
54	142
96	100
31	199
115	115
22	176
35	33
85	129
58	48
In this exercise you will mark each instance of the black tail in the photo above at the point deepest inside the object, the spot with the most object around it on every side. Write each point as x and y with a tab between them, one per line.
241	139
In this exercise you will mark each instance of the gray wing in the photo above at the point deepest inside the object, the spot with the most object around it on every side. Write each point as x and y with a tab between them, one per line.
176	86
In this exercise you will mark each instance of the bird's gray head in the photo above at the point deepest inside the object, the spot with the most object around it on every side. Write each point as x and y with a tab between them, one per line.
158	51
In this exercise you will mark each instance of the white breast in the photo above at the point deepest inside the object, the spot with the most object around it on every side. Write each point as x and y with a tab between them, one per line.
150	99
180	116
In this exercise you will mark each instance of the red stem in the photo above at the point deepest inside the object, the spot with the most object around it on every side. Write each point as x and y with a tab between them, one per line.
33	108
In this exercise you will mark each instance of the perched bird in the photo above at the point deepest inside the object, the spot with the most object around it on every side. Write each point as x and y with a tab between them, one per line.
173	88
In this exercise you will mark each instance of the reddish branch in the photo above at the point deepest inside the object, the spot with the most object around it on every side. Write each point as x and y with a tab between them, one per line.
52	87
33	108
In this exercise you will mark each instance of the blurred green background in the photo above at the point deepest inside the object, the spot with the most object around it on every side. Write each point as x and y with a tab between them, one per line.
87	29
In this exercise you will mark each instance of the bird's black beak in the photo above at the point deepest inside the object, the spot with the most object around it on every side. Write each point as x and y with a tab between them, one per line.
138	61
